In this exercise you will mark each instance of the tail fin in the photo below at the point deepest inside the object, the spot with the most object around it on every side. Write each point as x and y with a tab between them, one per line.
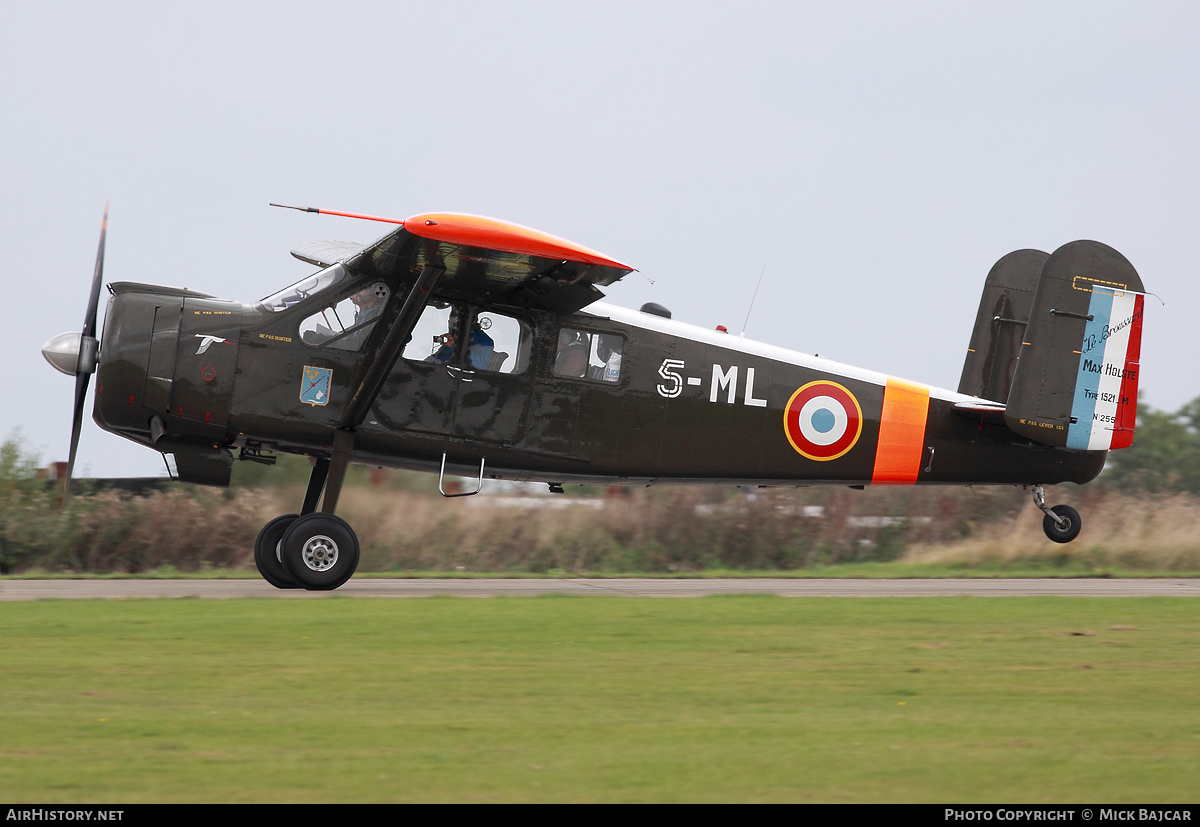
1000	325
1076	380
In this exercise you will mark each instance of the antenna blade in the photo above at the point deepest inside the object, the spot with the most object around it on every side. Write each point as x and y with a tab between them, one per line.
752	298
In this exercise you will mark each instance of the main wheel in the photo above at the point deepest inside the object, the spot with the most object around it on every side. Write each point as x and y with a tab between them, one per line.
1070	528
319	551
266	552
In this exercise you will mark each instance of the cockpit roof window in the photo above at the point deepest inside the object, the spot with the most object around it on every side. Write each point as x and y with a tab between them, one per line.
304	288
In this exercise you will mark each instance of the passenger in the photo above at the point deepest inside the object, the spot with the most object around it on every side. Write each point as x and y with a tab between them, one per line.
481	347
572	359
608	350
446	341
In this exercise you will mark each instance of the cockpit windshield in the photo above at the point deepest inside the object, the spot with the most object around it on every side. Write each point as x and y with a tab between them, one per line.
301	290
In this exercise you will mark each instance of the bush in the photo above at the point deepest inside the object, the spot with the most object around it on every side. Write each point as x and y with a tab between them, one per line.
666	529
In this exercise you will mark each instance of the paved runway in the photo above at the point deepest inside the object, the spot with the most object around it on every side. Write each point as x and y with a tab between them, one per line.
629	587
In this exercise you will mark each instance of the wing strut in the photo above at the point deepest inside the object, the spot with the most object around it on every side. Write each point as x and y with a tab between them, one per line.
368	389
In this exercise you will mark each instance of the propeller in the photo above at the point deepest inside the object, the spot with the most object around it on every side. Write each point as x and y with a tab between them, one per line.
84	348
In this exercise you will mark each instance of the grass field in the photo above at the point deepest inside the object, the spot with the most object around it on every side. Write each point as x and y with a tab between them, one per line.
601	699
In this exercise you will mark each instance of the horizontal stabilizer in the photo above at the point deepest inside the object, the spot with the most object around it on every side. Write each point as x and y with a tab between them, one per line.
981	409
326	253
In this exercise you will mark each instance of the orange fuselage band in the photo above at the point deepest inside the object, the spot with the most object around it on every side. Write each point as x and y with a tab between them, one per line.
901	433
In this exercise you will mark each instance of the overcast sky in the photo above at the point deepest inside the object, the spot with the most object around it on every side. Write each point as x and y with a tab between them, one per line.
877	158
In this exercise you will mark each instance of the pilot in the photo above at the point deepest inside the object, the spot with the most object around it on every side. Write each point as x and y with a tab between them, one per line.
366	305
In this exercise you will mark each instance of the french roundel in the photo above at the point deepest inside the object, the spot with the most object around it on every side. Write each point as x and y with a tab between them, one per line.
822	420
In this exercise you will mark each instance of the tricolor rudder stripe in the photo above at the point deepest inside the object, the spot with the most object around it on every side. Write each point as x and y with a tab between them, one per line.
901	433
1127	402
1104	408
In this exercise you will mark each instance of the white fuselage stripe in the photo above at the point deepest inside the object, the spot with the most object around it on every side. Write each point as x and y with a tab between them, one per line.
670	327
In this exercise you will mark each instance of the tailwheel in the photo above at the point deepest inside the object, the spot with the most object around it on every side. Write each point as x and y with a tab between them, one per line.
319	551
1061	523
266	552
1068	526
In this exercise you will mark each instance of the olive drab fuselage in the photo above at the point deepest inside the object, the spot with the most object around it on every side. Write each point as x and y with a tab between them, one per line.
208	379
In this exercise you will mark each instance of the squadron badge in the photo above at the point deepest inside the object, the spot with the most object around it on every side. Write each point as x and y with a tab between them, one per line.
822	420
314	387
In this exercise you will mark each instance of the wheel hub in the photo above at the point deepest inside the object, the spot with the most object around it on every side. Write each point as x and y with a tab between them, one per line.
320	553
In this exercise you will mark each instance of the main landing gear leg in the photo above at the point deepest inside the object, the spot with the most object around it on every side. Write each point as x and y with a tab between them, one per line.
268	547
319	550
316	484
1061	523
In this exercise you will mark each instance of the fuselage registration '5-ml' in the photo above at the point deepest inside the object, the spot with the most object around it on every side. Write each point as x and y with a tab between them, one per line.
467	345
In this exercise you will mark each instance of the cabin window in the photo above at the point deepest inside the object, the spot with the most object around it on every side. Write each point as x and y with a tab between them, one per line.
347	324
499	343
583	355
435	338
304	288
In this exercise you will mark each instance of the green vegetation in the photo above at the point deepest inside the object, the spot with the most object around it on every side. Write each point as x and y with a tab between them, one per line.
187	529
601	699
1141	516
1165	455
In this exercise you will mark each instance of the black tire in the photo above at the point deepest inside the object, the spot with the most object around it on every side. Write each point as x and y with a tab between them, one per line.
1066	533
319	551
266	552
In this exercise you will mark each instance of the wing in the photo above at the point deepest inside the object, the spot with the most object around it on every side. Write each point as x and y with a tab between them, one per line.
488	260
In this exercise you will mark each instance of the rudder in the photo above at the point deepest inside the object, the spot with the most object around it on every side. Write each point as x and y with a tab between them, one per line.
1076	380
1000	325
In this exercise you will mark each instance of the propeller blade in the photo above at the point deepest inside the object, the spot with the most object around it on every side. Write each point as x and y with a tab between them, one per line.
89	319
87	356
81	389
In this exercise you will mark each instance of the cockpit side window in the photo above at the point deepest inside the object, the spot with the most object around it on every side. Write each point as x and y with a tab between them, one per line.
604	362
345	325
304	288
583	355
499	343
435	337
